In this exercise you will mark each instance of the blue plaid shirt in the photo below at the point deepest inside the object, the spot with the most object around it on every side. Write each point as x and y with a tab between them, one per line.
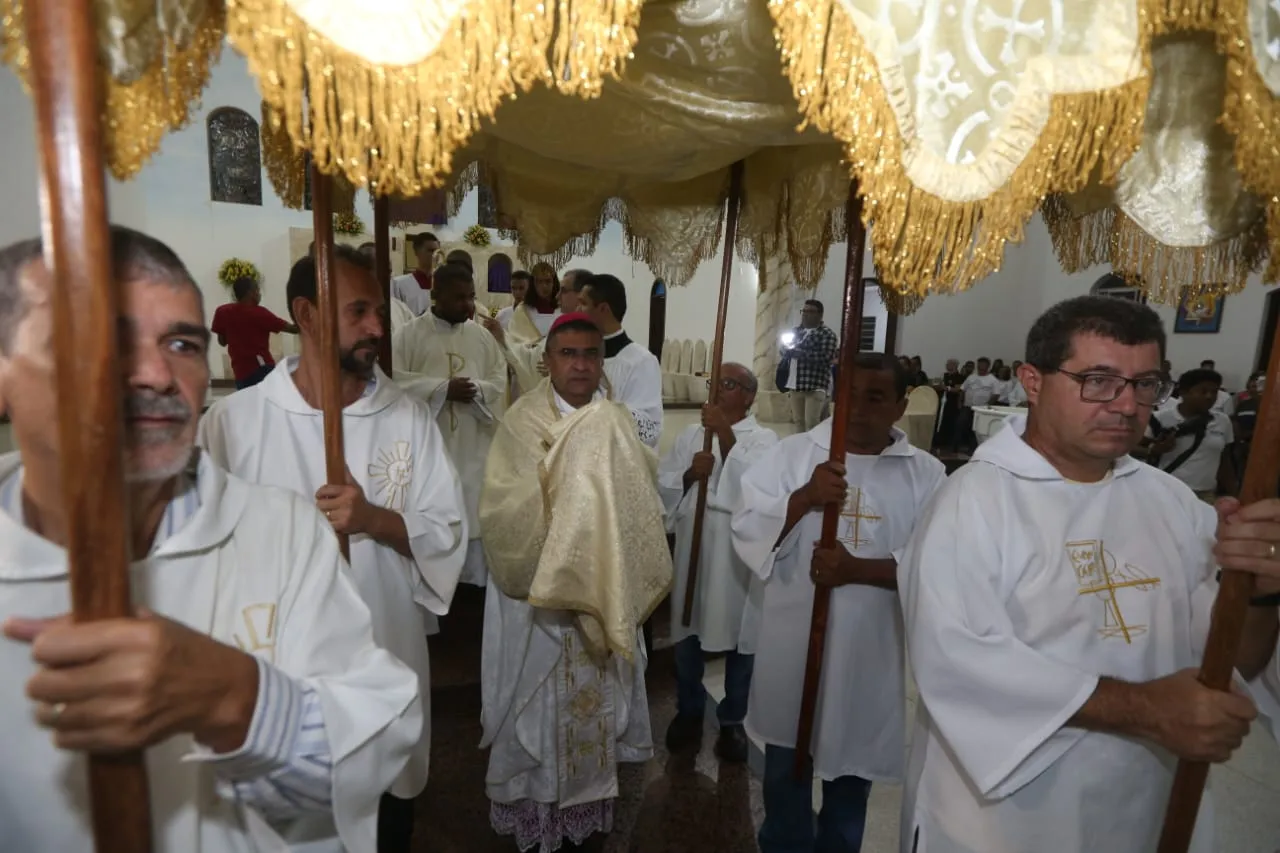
814	351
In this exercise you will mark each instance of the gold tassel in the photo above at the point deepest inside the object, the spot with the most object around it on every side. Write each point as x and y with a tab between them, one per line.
1252	114
286	166
136	115
922	243
1164	272
397	128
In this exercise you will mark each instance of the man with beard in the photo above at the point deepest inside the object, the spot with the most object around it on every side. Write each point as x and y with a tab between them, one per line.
401	503
248	673
456	368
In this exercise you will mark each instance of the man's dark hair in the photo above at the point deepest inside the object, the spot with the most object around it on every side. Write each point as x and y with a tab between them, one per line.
523	275
416	240
984	358
449	274
460	257
1119	320
579	278
1199	376
133	255
815	303
242	287
889	363
1208	364
571	326
607	289
302	278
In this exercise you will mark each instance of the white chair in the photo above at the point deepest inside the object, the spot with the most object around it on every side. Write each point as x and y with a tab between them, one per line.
700	354
922	412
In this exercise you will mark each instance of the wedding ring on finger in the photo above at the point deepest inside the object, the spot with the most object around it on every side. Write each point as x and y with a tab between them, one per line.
1271	551
56	711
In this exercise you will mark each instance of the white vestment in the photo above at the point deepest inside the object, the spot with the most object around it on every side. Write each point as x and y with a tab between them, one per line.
1020	590
525	345
427	354
726	611
504	316
254	568
401	315
556	724
635	380
268	434
859	725
407	290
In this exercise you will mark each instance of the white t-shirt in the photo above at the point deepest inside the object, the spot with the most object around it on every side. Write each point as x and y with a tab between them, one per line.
1200	471
1226	403
979	390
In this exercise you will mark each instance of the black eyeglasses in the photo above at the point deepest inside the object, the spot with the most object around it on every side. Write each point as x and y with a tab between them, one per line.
1106	387
729	385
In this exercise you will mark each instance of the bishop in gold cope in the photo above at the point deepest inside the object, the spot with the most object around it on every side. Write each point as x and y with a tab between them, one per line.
882	486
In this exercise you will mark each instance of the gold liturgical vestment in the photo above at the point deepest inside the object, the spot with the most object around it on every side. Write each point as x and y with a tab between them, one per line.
571	518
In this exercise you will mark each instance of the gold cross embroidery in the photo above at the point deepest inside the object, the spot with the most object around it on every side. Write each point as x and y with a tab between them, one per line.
1097	574
456	363
858	512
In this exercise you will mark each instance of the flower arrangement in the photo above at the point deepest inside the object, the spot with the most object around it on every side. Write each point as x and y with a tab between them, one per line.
234	269
477	236
348	224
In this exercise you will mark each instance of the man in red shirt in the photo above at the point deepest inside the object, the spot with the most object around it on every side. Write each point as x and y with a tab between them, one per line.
244	327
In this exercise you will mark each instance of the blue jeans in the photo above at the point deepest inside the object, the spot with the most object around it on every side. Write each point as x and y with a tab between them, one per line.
691	696
788	810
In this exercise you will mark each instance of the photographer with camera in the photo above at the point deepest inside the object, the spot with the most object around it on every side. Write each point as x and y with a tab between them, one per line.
1187	437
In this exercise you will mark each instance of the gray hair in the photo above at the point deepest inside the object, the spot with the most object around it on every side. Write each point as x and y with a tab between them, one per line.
579	277
134	255
752	383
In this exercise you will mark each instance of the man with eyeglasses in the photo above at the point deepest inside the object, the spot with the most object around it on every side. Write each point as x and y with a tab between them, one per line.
727	600
1056	599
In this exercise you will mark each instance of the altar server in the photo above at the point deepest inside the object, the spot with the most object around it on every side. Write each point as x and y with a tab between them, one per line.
521	281
523	341
457	368
1057	595
573	528
882	485
249	672
414	287
635	377
726	611
401	502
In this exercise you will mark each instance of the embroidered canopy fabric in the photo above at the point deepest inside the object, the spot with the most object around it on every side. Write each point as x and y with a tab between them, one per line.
956	116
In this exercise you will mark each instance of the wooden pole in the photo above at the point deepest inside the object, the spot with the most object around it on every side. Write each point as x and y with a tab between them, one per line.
717	354
382	268
86	311
335	463
1226	628
850	335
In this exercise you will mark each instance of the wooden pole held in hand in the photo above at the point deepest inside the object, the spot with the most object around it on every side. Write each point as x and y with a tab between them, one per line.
717	354
850	335
87	308
382	269
335	463
1226	627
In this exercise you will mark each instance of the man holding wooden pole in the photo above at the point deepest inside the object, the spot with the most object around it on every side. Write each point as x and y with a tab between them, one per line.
1057	599
248	672
881	485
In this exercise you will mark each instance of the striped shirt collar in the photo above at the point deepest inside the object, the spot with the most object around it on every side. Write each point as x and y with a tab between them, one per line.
181	509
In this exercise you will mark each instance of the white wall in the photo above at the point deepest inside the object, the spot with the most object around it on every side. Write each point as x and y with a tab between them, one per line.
170	199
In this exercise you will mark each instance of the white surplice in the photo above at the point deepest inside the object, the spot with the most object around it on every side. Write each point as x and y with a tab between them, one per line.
406	289
401	314
635	381
1020	589
427	354
268	434
525	344
859	726
254	568
556	724
726	605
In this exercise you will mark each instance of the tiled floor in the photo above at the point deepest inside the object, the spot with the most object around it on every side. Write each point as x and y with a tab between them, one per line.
694	804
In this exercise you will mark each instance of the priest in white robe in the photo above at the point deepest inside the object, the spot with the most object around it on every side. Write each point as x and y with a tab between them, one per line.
249	674
634	374
573	530
1057	595
457	368
401	505
883	486
726	606
413	289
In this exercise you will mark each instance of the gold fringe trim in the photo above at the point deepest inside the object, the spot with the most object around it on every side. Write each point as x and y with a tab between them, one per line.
1163	272
923	243
902	304
755	246
1252	114
396	128
137	115
287	168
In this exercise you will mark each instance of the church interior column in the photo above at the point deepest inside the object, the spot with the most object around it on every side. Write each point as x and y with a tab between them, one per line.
773	314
